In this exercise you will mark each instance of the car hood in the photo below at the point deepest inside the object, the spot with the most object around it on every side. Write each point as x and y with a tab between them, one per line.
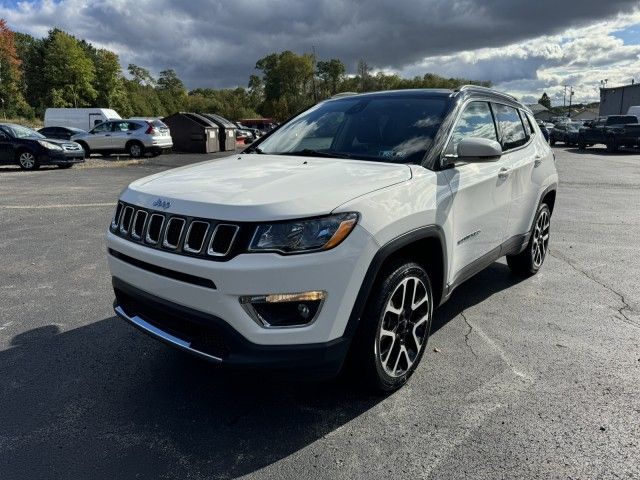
263	187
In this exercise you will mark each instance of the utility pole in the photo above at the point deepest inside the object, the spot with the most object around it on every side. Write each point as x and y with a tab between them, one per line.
564	98
313	75
571	92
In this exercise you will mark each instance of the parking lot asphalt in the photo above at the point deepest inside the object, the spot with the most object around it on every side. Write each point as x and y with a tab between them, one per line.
535	378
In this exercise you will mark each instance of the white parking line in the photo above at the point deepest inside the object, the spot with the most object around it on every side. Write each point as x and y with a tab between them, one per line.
62	205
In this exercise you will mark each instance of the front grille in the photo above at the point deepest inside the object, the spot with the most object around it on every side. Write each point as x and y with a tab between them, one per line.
191	236
71	147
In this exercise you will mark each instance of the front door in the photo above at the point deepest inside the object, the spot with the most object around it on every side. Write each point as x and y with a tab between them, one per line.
6	148
481	194
100	137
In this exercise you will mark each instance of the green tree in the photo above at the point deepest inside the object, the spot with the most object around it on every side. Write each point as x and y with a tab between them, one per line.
545	101
68	70
287	83
331	73
108	81
141	76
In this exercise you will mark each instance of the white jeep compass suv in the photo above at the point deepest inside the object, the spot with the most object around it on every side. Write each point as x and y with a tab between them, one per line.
331	240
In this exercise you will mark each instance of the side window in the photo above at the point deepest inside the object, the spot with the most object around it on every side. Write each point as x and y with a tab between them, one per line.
133	126
3	135
103	127
120	126
511	129
476	121
528	124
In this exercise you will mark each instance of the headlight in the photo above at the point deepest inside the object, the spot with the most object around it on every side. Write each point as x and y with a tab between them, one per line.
49	145
303	235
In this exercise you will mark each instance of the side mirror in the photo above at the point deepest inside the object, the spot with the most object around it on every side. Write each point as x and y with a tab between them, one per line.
476	150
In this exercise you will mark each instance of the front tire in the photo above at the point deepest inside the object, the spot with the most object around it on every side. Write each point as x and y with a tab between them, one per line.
529	261
394	330
612	145
28	160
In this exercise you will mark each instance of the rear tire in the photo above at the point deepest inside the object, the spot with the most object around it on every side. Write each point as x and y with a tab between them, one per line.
612	145
529	261
582	145
552	141
135	149
393	332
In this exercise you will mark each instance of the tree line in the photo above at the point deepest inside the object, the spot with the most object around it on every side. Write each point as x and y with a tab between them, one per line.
61	70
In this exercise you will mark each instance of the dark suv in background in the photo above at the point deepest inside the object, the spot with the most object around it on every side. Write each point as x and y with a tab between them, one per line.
614	131
29	149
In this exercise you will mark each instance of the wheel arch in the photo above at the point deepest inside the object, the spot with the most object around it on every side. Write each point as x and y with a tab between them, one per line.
549	197
422	245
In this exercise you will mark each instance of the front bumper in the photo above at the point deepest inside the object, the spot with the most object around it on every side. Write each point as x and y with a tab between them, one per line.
56	157
214	288
207	336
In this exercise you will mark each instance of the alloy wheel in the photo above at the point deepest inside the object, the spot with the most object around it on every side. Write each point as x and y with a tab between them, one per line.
540	242
404	327
27	160
135	150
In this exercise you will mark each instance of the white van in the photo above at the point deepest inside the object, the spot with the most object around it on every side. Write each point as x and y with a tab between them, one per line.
83	118
635	111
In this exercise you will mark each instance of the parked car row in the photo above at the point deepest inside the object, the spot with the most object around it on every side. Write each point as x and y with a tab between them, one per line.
614	131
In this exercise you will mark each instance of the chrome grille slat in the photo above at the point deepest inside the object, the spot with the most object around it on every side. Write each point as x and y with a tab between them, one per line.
177	234
148	238
220	253
125	221
138	228
188	247
169	230
116	216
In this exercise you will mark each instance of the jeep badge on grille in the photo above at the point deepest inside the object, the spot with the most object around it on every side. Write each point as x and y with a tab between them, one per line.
161	203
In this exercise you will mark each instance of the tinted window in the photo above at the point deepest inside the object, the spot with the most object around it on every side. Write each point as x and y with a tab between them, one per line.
18	131
528	123
511	129
476	121
387	129
103	127
133	126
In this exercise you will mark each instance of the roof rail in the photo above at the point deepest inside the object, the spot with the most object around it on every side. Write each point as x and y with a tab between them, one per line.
480	89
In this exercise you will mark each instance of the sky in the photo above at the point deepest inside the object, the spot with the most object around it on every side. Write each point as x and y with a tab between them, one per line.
523	47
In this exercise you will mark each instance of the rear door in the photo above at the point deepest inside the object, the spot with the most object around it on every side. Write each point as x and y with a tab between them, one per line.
481	196
521	155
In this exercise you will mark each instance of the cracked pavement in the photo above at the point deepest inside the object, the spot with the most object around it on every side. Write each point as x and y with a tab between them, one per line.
535	378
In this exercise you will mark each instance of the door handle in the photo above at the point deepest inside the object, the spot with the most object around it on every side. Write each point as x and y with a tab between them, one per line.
504	172
537	161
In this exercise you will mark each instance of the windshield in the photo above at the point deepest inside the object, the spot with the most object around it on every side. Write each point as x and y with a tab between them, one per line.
18	131
385	129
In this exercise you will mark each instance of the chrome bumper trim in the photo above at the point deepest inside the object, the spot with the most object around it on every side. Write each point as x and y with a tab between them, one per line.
162	335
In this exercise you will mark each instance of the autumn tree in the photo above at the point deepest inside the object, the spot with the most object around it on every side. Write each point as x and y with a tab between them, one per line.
12	100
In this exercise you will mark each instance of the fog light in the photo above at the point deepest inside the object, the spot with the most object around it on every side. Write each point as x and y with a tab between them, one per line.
284	310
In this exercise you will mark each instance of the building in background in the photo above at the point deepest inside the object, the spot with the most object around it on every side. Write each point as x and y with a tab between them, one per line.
540	112
586	114
617	100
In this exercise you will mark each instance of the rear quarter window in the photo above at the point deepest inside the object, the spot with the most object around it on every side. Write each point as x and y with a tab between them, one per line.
512	133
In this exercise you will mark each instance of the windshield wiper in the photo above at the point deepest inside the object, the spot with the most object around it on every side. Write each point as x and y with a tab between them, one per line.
254	150
307	152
